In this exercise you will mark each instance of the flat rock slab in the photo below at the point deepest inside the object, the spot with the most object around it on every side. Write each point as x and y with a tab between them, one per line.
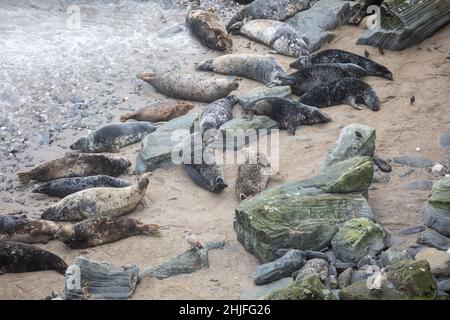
411	161
444	140
316	23
158	146
419	185
96	280
259	291
238	132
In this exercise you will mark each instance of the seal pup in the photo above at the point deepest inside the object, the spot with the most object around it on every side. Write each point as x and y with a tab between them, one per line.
216	114
100	230
189	86
207	27
10	220
34	231
18	257
191	239
112	137
95	202
252	176
160	111
350	91
318	74
280	36
63	187
76	165
262	68
268	9
199	162
287	113
341	56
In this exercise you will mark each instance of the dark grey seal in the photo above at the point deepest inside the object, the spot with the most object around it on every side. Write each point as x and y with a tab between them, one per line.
63	187
341	56
9	221
315	75
269	9
112	137
353	92
287	113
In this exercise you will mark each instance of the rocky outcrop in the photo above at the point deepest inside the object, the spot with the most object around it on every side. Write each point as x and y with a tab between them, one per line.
304	215
437	211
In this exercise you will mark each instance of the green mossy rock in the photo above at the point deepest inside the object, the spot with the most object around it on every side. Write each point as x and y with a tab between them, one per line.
308	288
437	211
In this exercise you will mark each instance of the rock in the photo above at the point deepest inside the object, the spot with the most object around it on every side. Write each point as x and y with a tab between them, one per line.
309	254
263	92
405	172
416	162
96	280
280	268
411	230
433	238
419	185
354	140
367	260
315	266
157	147
238	132
437	211
340	265
406	279
331	282
364	273
188	262
259	291
308	288
345	278
444	140
404	24
439	261
444	285
303	215
359	237
392	256
380	177
315	24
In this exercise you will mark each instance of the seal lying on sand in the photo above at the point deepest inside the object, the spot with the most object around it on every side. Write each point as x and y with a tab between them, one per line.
112	137
33	231
216	114
100	230
160	111
196	87
207	28
76	165
252	177
315	75
353	92
200	164
19	257
341	56
287	113
280	36
268	9
98	202
8	221
262	68
63	187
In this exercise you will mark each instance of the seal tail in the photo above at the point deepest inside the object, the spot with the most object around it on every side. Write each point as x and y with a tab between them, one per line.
25	177
126	117
234	19
150	229
147	77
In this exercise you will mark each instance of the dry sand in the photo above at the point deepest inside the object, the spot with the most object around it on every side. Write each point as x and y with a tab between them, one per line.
174	200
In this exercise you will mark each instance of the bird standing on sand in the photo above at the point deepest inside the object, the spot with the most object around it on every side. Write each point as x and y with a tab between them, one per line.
192	239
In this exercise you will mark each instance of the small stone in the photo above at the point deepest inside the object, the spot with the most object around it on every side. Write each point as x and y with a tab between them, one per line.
417	162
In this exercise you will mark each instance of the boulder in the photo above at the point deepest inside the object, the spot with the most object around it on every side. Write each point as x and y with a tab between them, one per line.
435	239
415	162
437	211
280	268
315	266
404	24
307	288
408	279
444	285
392	256
316	24
345	278
260	291
304	215
263	92
157	147
354	140
364	273
96	280
239	132
359	237
439	261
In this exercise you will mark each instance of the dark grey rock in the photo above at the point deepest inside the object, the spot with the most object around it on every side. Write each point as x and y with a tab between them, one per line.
315	266
345	278
381	177
97	280
258	292
341	265
433	238
411	230
364	273
437	217
444	285
367	260
310	254
419	185
392	256
411	161
280	268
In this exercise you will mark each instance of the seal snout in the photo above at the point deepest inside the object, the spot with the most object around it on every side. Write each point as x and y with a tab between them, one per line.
219	185
146	76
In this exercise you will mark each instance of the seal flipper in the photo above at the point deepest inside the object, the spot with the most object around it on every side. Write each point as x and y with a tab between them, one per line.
87	209
291	127
351	101
283	81
236	28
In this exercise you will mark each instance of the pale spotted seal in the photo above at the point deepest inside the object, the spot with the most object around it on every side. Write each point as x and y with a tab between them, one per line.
253	175
216	114
33	231
160	111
